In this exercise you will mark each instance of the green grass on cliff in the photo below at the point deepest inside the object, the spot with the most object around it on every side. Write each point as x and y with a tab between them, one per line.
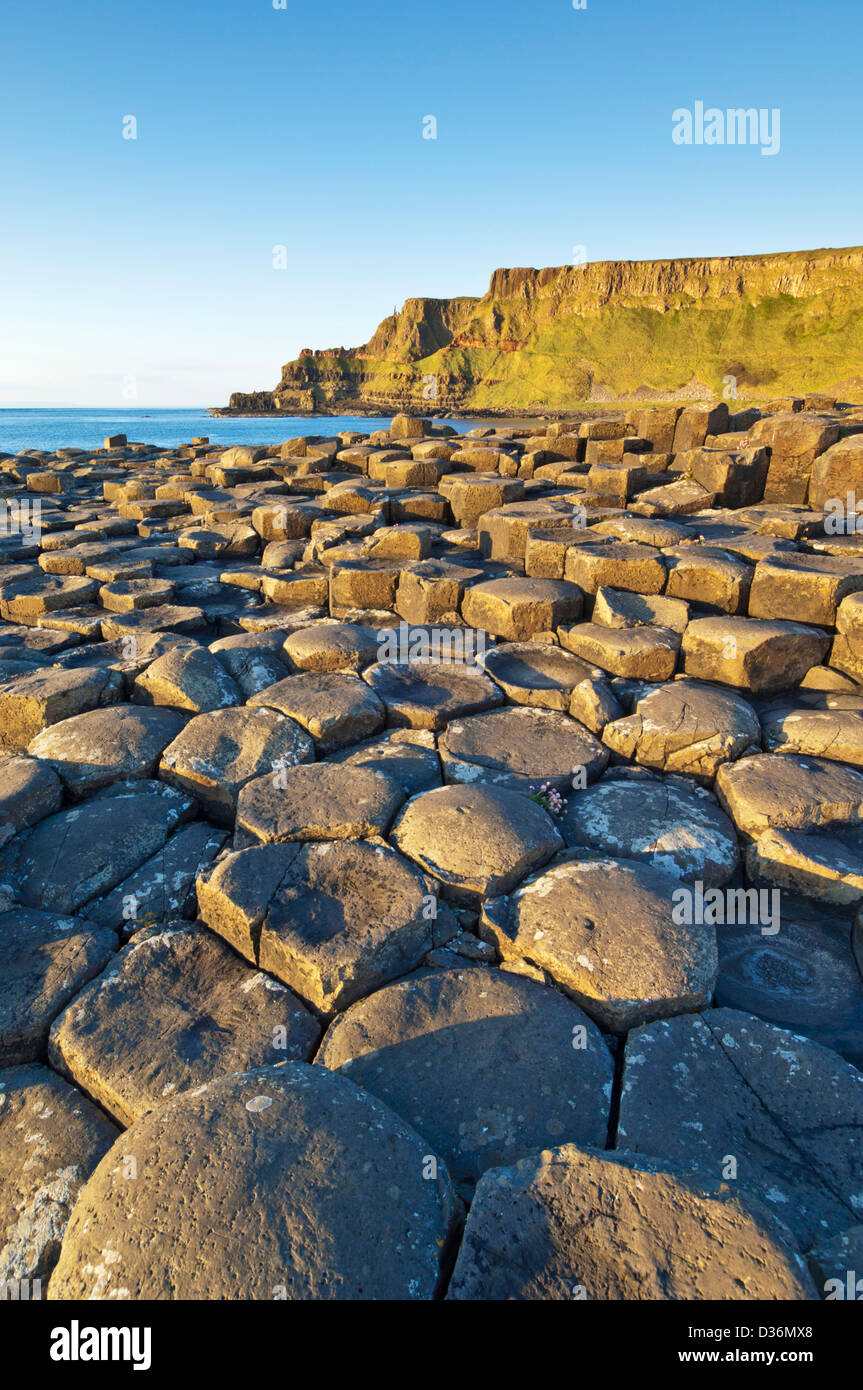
779	345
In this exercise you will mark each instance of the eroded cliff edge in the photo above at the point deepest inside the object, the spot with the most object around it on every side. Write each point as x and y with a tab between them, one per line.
547	339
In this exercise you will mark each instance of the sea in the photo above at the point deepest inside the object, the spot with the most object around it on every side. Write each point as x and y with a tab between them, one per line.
86	429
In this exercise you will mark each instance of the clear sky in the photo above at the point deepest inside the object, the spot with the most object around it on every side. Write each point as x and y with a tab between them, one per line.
140	272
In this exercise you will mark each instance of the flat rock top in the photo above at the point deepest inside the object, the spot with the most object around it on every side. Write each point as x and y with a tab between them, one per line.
567	1223
335	708
519	747
514	589
477	839
94	749
454	1053
426	694
292	1154
800	975
686	726
661	823
791	792
44	961
319	801
218	752
332	920
536	665
174	1010
332	647
790	1112
78	854
606	931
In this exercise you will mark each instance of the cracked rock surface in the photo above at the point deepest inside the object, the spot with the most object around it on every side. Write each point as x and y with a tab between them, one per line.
567	1223
787	1111
412	823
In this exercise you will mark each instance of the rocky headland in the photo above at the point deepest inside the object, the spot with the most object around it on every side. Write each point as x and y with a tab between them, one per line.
744	327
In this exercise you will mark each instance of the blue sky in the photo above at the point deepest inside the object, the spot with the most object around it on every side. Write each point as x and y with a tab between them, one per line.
146	266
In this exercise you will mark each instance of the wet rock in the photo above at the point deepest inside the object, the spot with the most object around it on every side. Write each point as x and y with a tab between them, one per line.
302	1149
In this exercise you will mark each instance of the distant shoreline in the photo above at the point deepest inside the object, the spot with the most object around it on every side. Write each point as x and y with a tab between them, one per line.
604	408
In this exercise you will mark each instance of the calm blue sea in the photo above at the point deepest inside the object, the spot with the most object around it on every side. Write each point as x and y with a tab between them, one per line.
86	429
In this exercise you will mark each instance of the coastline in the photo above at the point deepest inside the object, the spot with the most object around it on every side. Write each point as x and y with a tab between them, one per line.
361	411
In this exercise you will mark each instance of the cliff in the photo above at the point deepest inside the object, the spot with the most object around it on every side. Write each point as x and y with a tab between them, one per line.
607	330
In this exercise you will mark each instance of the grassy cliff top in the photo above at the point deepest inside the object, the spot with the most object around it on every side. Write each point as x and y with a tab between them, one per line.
759	325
